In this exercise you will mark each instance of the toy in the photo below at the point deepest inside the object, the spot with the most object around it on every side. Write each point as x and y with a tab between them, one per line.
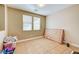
9	45
8	48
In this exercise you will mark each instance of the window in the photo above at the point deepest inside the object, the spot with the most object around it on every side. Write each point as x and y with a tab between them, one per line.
36	23
27	22
31	24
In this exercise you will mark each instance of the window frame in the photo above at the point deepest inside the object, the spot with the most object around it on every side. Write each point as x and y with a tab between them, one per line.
23	23
32	27
40	23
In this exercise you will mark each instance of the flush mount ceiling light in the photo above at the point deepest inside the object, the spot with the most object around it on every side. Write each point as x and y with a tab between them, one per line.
41	5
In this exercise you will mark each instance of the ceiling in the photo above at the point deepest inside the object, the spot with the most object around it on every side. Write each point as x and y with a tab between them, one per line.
46	10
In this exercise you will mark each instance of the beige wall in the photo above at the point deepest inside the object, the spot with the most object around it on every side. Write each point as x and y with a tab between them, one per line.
2	18
15	24
67	19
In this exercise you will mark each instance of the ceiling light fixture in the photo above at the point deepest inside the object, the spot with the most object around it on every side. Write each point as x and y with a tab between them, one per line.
41	5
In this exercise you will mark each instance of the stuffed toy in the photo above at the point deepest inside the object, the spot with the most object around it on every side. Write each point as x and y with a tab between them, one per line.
9	45
8	48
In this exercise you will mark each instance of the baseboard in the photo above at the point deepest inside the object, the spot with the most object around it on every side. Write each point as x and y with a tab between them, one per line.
33	38
75	45
72	44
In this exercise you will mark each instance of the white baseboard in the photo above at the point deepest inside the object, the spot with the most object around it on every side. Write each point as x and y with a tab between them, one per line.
33	38
75	45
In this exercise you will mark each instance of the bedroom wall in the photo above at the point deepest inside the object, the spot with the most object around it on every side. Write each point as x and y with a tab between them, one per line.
2	18
67	19
15	24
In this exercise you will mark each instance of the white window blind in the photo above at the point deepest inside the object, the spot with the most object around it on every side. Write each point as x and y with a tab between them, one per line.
27	22
36	23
